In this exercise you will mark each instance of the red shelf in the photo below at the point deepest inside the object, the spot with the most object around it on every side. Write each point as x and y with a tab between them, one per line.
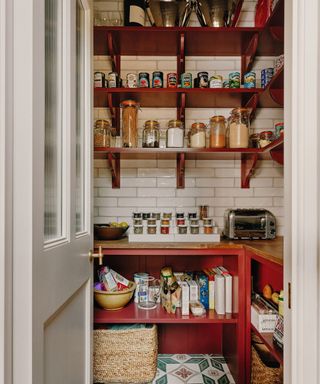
273	94
132	314
268	341
170	97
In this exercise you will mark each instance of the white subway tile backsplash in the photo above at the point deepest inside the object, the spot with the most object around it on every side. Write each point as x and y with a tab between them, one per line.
233	192
199	172
268	191
105	202
121	192
214	182
155	192
139	182
253	202
137	202
195	192
156	172
176	202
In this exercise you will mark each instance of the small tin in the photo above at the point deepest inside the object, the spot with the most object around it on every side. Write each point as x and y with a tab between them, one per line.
186	80
132	80
249	80
144	80
137	221
266	76
156	215
152	229
225	84
113	80
216	81
279	128
138	229
137	215
181	221
192	215
152	221
234	80
172	80
165	229
194	229
146	216
167	215
182	229
99	80
203	78
157	79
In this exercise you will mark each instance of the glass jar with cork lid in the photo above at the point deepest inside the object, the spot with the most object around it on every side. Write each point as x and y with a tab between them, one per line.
104	135
130	123
151	134
239	131
197	135
217	132
175	134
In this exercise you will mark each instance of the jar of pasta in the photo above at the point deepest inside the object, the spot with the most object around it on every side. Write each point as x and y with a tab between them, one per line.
238	131
217	132
197	135
130	123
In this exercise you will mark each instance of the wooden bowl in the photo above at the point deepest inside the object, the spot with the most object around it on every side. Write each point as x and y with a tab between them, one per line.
111	301
105	232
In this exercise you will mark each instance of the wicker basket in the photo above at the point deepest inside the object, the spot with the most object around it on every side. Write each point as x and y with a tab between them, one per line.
125	356
261	373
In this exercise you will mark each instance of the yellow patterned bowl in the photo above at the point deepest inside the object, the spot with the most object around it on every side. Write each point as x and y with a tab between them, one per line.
112	301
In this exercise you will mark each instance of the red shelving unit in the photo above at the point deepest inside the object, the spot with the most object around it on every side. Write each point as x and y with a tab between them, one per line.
266	338
273	95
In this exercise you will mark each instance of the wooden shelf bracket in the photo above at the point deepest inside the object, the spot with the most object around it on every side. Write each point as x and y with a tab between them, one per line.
248	163
115	58
181	160
181	108
248	57
114	164
253	103
181	55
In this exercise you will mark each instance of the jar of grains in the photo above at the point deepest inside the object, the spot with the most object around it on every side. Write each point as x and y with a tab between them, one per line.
102	133
217	132
175	134
129	123
197	135
151	134
238	131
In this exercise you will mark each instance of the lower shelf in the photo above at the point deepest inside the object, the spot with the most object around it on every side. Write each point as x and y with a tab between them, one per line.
268	341
132	314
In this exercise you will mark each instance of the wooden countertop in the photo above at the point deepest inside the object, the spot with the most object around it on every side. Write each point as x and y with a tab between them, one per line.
271	250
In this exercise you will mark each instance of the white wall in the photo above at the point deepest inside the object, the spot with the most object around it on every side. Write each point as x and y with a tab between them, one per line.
151	185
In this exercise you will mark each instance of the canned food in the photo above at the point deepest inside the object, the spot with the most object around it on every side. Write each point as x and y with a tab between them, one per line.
132	80
113	80
249	80
157	79
144	80
278	128
172	80
99	80
203	78
234	80
225	84
266	76
216	81
186	80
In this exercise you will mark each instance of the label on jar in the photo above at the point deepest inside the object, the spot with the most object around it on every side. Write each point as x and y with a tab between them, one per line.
112	80
137	15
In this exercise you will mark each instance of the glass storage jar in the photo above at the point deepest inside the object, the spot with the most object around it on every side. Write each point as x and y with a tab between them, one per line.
129	123
197	135
175	134
266	138
238	131
217	132
151	134
102	134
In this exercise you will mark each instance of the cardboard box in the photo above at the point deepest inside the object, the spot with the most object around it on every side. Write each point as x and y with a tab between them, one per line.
194	288
185	298
263	322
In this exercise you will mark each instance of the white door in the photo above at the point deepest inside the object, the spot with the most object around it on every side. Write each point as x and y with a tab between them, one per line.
52	301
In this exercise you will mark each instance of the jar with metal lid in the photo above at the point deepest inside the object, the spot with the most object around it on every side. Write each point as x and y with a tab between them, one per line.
182	229
238	131
151	134
197	135
266	138
194	229
130	123
217	132
175	134
138	229
152	229
102	134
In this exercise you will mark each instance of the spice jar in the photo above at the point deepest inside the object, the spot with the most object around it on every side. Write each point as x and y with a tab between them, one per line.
146	215
197	135
181	221
192	215
194	221
217	132
152	229
238	131
180	215
167	215
137	215
165	221
152	221
266	137
194	229
165	229
207	221
175	134
208	229
255	140
138	229
156	215
129	123
103	134
137	221
182	229
151	134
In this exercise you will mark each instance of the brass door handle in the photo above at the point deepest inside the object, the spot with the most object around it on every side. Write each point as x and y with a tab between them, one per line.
98	255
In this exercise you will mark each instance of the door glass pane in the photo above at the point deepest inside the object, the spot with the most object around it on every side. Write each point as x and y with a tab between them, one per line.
80	120
53	121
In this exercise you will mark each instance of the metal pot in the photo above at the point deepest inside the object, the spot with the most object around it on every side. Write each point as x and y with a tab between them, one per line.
221	12
166	13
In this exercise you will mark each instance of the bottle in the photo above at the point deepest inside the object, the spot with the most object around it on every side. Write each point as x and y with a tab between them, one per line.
134	12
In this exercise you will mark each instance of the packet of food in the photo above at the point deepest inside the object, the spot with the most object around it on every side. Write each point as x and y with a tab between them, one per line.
121	281
106	278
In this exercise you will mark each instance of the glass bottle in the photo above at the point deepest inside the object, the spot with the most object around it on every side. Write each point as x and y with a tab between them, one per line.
238	131
197	135
130	123
102	133
217	132
151	134
175	134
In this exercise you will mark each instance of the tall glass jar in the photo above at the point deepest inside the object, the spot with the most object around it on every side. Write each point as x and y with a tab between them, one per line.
175	134
102	133
130	123
151	134
239	131
197	135
217	132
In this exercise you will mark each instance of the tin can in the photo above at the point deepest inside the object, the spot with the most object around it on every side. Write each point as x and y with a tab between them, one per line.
234	80
266	76
144	80
113	80
172	80
157	79
279	128
186	80
225	84
132	80
99	80
203	79
216	81
249	80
